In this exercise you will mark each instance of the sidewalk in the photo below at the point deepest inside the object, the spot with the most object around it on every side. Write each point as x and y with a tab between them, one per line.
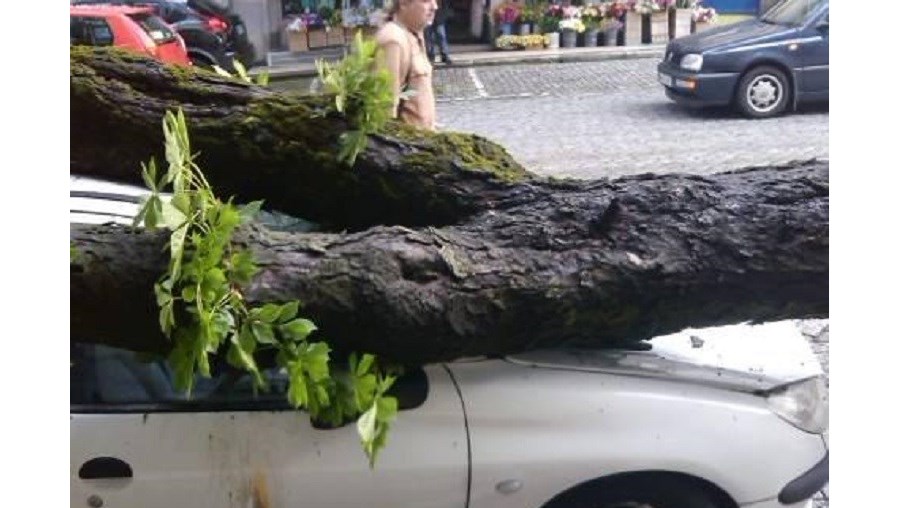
287	65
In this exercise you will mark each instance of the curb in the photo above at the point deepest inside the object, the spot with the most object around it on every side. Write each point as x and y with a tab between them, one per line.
495	58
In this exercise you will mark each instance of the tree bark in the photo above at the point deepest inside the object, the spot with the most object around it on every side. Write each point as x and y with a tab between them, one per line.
548	263
255	143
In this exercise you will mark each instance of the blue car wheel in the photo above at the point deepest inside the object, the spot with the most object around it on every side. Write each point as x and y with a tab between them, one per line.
763	92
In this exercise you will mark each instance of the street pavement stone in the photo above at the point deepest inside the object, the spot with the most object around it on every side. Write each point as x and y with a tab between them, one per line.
610	119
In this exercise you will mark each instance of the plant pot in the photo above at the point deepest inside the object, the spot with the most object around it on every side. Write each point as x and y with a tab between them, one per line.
590	38
296	41
318	38
679	23
506	29
525	29
552	40
699	27
658	23
568	39
633	28
334	36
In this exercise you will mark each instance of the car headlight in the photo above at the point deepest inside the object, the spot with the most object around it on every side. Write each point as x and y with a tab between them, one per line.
802	404
692	62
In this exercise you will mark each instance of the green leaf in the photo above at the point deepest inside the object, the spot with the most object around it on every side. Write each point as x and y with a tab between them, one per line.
182	201
240	69
263	332
246	339
268	313
242	267
176	244
171	216
262	79
189	293
298	329
229	217
365	364
365	425
288	311
148	174
315	360
387	409
298	394
222	72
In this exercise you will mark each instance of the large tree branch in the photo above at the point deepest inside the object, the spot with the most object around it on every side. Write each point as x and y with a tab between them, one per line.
259	144
547	264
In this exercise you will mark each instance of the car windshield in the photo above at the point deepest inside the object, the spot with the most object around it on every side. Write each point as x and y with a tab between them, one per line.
791	12
155	27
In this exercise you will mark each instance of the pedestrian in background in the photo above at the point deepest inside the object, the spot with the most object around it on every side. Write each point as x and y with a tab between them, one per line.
402	44
436	34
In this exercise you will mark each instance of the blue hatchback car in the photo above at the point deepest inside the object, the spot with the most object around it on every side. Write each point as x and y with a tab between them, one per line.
761	66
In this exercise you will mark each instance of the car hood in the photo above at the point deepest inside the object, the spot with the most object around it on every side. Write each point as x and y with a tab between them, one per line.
752	31
744	357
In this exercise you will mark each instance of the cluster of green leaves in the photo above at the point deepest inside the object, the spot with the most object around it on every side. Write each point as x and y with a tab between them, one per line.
262	79
362	93
203	310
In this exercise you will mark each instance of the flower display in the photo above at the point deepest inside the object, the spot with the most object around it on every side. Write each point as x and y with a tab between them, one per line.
704	15
644	7
592	16
572	24
507	12
519	42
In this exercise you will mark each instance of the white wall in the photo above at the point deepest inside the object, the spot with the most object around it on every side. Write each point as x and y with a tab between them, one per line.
263	20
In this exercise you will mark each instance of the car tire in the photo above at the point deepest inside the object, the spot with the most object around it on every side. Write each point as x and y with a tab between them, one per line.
643	491
763	92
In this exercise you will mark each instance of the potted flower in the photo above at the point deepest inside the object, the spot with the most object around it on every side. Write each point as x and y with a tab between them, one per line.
680	13
592	17
527	18
702	18
614	20
550	19
505	15
647	21
295	33
570	26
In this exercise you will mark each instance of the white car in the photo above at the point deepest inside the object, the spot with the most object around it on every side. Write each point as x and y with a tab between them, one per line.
712	418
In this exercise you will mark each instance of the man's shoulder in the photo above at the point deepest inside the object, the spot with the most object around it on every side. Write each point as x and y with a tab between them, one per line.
390	33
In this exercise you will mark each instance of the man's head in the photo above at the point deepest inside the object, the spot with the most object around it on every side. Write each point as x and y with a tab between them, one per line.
415	14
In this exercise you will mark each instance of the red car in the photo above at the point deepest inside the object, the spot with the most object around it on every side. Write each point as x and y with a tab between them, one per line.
135	28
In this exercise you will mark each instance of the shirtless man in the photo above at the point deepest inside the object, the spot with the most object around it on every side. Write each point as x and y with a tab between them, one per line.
402	42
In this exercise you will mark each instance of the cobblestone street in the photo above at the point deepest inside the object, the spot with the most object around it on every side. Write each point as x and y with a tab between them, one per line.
593	119
599	119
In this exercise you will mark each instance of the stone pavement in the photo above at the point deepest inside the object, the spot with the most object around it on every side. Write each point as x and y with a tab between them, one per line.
612	118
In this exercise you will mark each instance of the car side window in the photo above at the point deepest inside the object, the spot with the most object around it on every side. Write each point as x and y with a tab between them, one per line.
89	31
110	380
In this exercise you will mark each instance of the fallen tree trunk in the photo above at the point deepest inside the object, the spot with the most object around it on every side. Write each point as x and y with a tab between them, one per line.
551	263
255	143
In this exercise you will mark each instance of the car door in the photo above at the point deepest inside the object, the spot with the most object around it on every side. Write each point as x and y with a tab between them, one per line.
136	443
814	51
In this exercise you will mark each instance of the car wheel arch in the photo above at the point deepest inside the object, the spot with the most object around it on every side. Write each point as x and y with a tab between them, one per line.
769	62
195	55
581	494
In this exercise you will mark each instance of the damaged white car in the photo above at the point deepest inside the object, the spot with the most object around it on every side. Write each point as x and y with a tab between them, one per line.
712	418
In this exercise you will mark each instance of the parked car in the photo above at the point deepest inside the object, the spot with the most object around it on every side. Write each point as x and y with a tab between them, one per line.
213	34
712	418
760	66
134	28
